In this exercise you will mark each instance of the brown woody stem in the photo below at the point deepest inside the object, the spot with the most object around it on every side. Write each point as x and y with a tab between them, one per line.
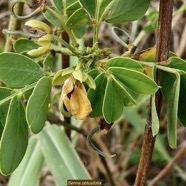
162	49
14	24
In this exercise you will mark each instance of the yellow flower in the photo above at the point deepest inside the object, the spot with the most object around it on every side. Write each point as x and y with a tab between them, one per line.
75	99
44	41
38	25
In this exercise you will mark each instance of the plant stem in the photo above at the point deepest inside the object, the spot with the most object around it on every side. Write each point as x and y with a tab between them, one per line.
26	88
65	27
14	24
96	25
163	43
160	67
62	50
67	45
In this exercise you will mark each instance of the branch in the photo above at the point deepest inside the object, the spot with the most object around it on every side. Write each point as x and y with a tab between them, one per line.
163	42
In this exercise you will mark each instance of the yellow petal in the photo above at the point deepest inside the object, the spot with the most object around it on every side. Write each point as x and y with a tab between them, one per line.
80	104
39	51
38	25
44	40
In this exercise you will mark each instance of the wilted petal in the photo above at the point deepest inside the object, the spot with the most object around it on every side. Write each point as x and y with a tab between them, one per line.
80	104
81	86
66	102
68	87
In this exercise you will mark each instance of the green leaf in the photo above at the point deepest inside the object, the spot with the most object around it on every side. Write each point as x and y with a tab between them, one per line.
170	88
80	31
1	130
63	74
182	100
177	63
67	71
154	115
69	2
49	62
90	82
79	75
104	5
125	63
37	107
58	4
72	8
29	170
152	24
112	104
57	79
155	120
96	96
126	95
17	70
14	139
4	92
120	11
134	80
24	45
93	73
78	19
90	6
60	156
51	18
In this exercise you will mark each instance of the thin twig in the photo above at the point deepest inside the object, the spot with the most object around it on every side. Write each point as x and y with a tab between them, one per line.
109	173
52	118
163	42
170	165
